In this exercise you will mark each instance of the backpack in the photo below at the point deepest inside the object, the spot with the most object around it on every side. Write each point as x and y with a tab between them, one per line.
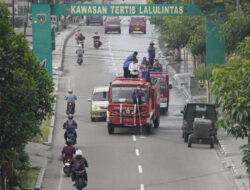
72	126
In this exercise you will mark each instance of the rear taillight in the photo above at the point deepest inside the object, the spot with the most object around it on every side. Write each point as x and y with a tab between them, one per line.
70	104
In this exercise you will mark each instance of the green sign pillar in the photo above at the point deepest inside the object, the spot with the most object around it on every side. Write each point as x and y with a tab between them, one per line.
215	48
41	32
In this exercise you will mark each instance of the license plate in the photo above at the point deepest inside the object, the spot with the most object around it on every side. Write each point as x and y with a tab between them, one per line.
128	120
137	28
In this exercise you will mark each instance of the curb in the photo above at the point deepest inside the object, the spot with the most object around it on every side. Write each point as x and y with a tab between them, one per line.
40	179
52	123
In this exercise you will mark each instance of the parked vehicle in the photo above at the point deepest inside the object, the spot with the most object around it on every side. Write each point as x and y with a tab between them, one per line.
112	23
137	24
123	113
203	132
99	103
94	19
66	167
164	91
198	110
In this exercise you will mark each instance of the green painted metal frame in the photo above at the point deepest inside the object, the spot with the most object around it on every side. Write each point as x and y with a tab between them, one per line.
41	29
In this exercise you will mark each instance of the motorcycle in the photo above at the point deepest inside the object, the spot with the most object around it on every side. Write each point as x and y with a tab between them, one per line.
66	168
70	108
70	138
80	59
81	179
97	43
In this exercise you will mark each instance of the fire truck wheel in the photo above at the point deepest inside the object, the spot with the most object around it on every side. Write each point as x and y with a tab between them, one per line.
110	129
148	129
157	120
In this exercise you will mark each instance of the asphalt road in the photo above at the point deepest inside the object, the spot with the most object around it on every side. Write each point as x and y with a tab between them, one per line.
127	160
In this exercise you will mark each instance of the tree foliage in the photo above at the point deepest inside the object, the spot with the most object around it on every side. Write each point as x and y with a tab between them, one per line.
231	88
26	90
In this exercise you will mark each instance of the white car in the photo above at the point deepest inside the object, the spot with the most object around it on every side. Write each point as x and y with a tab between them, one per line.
99	103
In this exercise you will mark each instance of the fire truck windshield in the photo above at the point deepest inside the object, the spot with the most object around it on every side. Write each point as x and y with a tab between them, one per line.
124	93
162	84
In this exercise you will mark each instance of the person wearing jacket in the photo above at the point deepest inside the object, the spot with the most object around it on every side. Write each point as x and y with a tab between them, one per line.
126	72
151	54
70	125
145	74
79	163
68	152
157	67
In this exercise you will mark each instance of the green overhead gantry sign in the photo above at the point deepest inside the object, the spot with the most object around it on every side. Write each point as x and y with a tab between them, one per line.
42	34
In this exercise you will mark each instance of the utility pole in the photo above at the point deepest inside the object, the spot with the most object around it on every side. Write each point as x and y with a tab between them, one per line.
237	6
13	13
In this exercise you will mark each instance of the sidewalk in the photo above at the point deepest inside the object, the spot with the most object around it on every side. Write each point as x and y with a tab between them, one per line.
40	153
185	81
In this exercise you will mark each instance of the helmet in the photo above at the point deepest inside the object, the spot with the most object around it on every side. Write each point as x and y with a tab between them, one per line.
96	32
70	116
79	153
78	30
70	91
152	43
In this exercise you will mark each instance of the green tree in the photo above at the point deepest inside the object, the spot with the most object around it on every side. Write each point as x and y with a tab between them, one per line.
235	30
26	90
231	88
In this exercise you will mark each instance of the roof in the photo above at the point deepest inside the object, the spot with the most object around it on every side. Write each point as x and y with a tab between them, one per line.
130	81
153	74
101	89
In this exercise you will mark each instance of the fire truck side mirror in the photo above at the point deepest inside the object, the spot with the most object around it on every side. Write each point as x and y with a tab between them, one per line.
170	86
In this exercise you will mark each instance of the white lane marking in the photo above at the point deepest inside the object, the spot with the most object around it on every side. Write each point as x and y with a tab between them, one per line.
140	169
60	181
134	138
137	152
142	187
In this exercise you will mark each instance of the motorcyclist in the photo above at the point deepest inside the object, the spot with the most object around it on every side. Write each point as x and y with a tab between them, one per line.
157	67
70	125
77	33
71	98
151	53
68	152
79	163
96	37
80	39
80	52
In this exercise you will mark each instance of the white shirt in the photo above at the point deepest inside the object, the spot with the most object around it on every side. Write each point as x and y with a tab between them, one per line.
132	67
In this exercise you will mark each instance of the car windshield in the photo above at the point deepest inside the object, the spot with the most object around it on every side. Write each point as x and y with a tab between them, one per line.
200	110
124	94
138	19
113	19
100	96
162	84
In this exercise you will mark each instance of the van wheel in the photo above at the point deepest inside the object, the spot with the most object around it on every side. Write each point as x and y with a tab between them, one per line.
130	31
119	31
110	129
106	31
212	142
185	137
145	32
189	141
157	119
92	119
148	129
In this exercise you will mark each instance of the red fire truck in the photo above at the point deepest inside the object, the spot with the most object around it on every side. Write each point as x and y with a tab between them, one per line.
123	112
164	89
